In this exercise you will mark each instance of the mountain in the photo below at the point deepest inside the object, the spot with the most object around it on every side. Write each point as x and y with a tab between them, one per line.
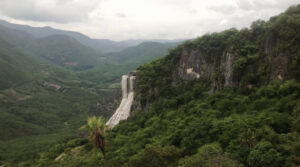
60	49
102	45
64	51
223	99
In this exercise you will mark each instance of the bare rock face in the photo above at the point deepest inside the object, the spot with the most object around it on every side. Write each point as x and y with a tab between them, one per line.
220	70
194	64
128	89
227	68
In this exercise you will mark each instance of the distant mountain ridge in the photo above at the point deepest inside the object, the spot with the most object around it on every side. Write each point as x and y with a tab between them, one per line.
102	45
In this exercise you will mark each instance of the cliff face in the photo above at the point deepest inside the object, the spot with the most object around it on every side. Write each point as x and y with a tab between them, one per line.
123	111
194	64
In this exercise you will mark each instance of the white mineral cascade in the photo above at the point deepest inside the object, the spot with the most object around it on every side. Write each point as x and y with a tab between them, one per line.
123	111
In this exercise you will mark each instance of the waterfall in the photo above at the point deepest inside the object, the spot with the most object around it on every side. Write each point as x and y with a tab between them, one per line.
123	111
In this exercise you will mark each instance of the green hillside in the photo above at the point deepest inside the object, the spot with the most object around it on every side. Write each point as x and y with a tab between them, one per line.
49	86
64	51
202	122
42	101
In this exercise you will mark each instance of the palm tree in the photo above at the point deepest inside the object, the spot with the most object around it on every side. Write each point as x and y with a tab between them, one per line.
96	127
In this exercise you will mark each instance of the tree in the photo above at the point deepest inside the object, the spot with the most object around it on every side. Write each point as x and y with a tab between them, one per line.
96	127
155	156
264	154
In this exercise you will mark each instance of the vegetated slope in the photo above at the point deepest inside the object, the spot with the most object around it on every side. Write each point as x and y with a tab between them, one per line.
40	101
238	107
64	51
60	49
8	73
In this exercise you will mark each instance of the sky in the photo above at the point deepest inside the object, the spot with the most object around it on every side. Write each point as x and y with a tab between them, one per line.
141	19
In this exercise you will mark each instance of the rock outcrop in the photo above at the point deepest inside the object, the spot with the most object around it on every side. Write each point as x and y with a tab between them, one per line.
128	89
194	64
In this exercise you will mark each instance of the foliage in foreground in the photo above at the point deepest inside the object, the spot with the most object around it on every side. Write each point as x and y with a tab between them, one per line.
254	127
96	127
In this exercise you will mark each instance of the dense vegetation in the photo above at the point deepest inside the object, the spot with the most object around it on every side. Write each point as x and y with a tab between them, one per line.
189	125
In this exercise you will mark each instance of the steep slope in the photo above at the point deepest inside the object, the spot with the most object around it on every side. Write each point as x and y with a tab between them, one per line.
8	73
64	51
15	37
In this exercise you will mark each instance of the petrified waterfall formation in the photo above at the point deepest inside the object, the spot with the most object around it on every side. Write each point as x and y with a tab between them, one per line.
123	111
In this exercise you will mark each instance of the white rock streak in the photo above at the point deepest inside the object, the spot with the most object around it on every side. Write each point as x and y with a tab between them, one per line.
123	111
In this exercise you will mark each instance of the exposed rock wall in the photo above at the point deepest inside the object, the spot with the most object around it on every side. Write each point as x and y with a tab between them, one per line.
195	64
123	111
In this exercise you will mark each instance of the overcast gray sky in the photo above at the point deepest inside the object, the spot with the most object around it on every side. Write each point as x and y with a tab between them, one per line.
141	19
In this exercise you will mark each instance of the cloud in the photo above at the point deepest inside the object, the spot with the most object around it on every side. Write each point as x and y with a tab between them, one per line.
273	4
244	4
121	15
148	18
60	11
224	9
264	4
223	22
193	11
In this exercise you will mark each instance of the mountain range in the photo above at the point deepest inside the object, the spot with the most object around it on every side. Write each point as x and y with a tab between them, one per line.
102	45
